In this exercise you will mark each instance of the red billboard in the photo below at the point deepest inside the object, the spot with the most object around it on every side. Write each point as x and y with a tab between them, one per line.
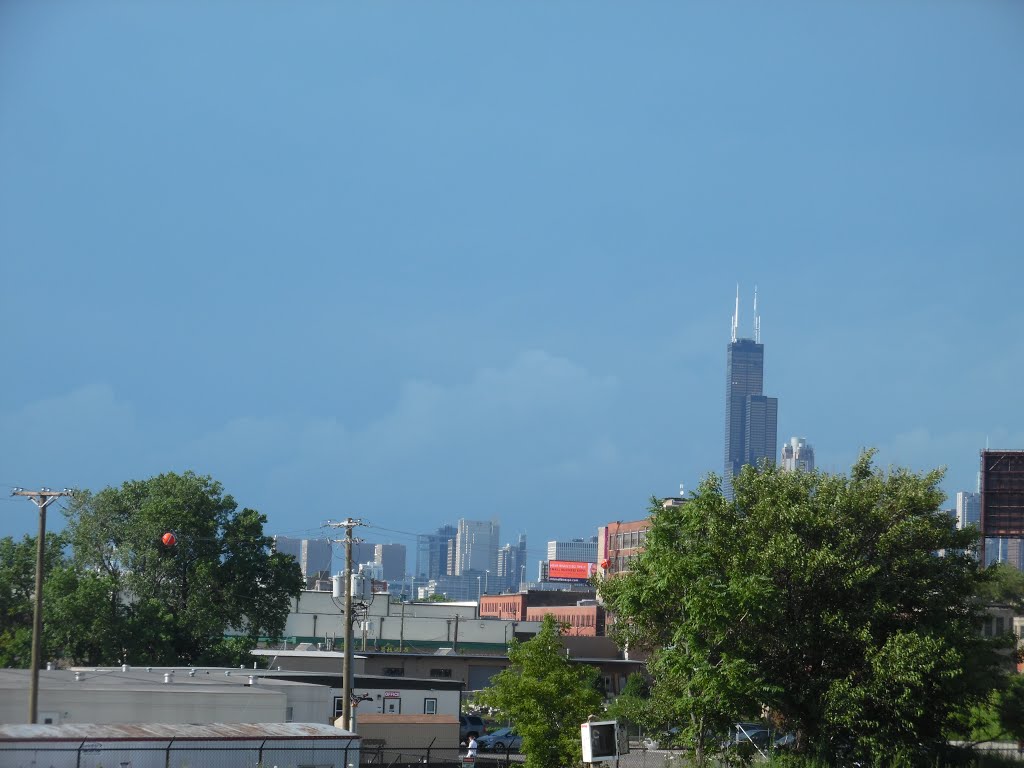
570	570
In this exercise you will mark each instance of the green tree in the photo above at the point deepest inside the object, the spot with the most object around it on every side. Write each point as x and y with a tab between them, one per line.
1010	707
1003	585
681	603
17	589
631	705
206	600
819	596
545	697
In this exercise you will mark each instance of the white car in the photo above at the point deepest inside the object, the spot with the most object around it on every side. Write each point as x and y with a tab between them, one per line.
664	741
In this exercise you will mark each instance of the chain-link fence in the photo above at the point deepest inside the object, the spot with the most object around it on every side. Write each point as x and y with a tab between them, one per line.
191	755
371	754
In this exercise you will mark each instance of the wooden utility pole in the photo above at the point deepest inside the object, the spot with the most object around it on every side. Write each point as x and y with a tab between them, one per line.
346	665
42	499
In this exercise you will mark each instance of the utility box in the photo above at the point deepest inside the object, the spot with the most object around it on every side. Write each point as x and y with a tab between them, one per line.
599	739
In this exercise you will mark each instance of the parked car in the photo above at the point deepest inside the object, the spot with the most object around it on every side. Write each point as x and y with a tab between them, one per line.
757	734
666	740
502	740
785	741
469	726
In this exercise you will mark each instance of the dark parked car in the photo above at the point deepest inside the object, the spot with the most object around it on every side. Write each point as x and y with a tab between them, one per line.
757	734
469	726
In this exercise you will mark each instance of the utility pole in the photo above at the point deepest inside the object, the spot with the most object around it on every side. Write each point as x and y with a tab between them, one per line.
42	499
346	666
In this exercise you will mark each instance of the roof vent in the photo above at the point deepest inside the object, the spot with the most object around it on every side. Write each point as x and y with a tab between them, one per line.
168	677
125	667
253	680
78	677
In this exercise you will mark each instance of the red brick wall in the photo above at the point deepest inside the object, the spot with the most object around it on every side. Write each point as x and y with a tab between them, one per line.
583	620
504	607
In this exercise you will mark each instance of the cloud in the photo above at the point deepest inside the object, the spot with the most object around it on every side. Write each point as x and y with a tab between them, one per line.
535	419
65	439
922	450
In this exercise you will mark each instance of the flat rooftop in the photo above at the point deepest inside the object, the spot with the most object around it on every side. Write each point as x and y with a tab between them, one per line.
167	731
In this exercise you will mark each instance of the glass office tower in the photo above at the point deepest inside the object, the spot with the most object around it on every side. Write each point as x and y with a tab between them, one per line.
751	418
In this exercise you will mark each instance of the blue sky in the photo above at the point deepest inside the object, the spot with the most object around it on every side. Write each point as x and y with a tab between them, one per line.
419	261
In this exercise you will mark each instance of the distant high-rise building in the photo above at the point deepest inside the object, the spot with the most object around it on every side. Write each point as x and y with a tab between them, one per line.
968	512
751	418
511	565
362	552
312	555
968	509
577	550
476	547
391	558
798	454
432	552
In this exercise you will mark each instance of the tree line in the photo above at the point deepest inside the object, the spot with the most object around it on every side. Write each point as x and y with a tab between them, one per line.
845	610
115	592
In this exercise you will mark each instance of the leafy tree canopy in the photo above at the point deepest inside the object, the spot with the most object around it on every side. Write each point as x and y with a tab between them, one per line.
821	597
545	697
1003	584
17	588
126	597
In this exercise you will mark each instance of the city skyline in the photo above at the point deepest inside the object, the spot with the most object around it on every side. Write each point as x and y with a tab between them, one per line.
511	272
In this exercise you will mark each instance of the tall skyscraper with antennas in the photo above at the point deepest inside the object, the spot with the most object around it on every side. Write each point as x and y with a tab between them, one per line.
751	418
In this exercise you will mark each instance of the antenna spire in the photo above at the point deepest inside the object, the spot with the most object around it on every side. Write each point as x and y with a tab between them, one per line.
736	313
757	320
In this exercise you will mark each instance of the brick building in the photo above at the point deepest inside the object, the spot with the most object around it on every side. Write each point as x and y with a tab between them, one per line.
517	606
618	543
580	620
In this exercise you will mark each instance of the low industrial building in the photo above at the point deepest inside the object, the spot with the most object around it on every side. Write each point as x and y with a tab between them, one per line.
147	695
577	620
316	618
515	606
163	745
471	671
408	739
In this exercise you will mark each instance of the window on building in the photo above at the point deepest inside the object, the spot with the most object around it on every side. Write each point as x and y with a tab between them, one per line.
430	706
394	671
338	706
440	673
1000	625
